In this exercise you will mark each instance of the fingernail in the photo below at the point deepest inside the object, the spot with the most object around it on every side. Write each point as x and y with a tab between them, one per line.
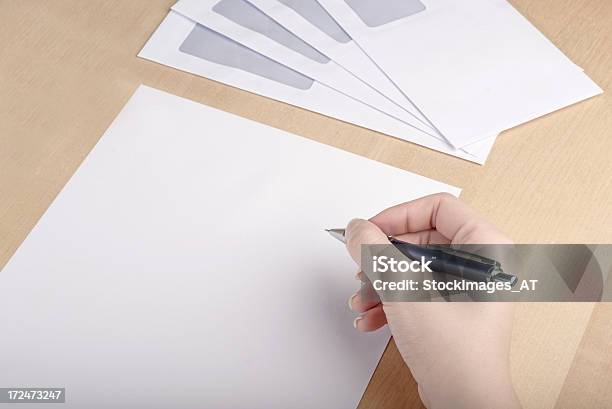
356	322
351	224
350	301
352	221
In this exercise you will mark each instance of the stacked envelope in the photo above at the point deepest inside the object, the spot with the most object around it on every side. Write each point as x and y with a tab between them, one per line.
449	75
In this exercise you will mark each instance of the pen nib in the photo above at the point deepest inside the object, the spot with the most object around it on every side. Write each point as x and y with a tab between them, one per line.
337	234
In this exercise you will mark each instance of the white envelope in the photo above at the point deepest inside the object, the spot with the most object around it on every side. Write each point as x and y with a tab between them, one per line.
246	24
278	82
185	265
474	67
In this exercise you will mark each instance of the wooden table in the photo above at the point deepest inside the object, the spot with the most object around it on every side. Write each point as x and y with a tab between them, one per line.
67	67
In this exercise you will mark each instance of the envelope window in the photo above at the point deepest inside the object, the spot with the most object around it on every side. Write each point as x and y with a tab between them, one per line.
209	45
376	13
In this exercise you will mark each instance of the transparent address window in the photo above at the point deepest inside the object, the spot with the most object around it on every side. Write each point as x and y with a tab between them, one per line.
211	46
376	13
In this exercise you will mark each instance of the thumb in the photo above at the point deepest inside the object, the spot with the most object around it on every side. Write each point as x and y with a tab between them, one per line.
360	232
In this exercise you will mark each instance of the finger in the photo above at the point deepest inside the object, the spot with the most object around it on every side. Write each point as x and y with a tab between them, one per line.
424	237
442	212
360	304
360	232
371	320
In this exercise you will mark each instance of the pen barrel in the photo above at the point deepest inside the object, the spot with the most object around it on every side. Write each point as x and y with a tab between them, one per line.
452	263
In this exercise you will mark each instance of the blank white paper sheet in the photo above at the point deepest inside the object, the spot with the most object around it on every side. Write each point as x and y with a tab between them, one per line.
185	264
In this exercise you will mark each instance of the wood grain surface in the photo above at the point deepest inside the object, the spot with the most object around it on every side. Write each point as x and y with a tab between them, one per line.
67	67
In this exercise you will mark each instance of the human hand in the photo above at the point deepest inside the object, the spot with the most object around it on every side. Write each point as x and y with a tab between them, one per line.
457	352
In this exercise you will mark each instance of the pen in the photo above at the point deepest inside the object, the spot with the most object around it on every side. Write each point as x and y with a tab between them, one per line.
447	260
